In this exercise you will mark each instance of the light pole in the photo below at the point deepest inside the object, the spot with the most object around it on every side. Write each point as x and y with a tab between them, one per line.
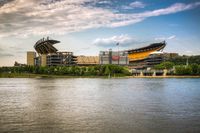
187	62
118	51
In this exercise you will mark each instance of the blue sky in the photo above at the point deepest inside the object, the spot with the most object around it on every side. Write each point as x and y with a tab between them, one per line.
88	26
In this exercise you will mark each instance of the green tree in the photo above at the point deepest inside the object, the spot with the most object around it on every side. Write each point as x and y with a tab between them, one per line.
183	70
164	65
107	70
194	69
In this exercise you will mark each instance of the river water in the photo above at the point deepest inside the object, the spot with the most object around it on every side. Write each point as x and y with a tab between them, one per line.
139	105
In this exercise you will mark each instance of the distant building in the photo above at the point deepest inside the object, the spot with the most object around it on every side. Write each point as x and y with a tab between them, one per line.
170	55
113	57
17	64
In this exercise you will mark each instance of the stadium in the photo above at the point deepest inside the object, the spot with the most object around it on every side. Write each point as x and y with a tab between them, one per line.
47	55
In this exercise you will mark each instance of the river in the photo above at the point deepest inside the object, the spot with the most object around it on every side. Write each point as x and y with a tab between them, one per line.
137	105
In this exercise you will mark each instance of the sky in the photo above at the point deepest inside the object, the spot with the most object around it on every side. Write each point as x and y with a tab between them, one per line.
87	26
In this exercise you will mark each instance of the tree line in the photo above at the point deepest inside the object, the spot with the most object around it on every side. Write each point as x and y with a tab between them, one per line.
181	60
98	70
191	69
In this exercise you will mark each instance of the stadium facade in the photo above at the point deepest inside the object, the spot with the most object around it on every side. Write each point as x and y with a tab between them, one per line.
144	52
87	60
48	55
113	57
147	56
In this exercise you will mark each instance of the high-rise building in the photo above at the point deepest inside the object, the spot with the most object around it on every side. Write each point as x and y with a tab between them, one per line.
31	58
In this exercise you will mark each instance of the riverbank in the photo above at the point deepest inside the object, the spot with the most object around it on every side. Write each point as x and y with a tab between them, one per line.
168	76
29	75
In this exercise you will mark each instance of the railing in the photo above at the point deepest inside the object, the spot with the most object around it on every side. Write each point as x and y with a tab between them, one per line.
151	72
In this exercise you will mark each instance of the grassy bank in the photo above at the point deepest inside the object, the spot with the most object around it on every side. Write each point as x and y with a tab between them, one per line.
97	71
64	71
30	75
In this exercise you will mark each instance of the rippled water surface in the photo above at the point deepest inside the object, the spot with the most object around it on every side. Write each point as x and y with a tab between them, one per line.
100	105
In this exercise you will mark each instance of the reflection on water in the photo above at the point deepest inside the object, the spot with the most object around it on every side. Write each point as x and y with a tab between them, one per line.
100	105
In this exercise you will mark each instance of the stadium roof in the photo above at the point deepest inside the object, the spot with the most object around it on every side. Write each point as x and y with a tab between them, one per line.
159	46
45	46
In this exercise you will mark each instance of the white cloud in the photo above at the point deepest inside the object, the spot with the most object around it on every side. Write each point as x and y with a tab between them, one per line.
171	37
105	2
3	52
123	40
189	51
133	5
178	7
165	38
6	55
137	4
32	17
